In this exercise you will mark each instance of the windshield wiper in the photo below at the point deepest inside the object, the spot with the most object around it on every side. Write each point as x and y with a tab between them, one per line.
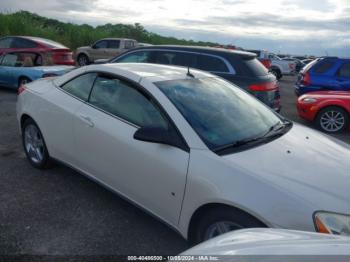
276	130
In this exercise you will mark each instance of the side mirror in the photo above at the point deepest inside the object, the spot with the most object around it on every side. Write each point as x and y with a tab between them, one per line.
160	135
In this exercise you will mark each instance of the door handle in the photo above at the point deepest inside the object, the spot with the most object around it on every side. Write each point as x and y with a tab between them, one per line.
87	120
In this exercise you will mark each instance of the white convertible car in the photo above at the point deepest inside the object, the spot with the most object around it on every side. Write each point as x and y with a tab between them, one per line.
192	149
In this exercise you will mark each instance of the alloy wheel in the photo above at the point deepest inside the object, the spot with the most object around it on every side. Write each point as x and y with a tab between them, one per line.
34	143
332	121
219	228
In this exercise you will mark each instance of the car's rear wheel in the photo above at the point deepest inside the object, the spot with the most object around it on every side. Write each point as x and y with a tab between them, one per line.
277	73
221	220
34	145
332	119
23	80
83	60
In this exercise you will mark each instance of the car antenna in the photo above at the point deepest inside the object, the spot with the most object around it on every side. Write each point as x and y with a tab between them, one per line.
189	73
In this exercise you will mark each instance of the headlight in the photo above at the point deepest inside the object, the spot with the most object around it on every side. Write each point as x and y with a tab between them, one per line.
332	223
308	100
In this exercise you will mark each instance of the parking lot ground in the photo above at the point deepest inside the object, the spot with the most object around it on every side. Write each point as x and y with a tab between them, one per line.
60	212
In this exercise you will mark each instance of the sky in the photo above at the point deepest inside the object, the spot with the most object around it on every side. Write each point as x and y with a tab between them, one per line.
281	26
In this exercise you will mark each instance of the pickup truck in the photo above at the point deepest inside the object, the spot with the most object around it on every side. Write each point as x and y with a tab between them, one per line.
103	49
278	67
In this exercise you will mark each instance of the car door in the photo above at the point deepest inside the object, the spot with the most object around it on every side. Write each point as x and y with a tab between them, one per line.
343	77
7	71
99	50
151	175
113	48
65	100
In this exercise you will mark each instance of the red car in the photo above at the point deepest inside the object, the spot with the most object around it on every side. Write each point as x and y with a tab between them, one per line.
330	110
58	53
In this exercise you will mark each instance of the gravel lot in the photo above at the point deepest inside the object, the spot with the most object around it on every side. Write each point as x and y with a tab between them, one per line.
60	212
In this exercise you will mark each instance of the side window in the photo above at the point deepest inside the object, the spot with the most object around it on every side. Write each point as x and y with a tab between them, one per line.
114	44
80	86
123	100
100	44
9	60
129	44
323	67
137	57
176	58
211	64
344	71
23	43
6	42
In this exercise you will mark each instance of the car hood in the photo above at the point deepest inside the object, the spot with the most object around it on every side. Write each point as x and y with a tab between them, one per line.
261	241
304	162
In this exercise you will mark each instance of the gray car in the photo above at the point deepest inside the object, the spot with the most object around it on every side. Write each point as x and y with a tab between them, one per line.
103	49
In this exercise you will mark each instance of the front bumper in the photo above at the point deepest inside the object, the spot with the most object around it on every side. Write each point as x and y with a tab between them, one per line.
307	111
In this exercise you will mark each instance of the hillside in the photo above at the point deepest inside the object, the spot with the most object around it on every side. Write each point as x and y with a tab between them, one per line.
73	35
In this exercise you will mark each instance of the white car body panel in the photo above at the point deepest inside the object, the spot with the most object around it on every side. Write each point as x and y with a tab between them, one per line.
279	188
261	241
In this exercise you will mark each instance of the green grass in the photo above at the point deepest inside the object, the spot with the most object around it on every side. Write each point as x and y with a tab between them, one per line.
72	35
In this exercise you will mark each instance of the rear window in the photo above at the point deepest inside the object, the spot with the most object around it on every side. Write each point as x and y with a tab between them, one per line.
211	64
308	66
255	67
49	43
323	66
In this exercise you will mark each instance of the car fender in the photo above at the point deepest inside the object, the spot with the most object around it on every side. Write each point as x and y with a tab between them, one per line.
240	189
333	102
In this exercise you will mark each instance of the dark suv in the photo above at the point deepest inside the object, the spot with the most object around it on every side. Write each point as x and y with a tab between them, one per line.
240	68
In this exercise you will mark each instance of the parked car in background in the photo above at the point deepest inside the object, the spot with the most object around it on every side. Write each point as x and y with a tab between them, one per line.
327	73
279	67
58	53
298	64
189	147
262	57
240	68
329	110
307	61
103	49
271	244
18	68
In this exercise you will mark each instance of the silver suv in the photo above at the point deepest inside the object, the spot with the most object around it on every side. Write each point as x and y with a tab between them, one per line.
103	49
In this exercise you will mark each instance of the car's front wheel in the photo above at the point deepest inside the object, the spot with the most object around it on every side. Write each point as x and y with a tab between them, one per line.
23	80
221	220
34	145
332	119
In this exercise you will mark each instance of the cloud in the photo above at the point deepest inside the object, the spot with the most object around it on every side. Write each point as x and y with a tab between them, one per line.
291	25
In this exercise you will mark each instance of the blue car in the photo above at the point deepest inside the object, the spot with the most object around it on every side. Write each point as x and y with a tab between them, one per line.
328	73
17	68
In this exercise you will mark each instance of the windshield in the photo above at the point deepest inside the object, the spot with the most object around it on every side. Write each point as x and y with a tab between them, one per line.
218	111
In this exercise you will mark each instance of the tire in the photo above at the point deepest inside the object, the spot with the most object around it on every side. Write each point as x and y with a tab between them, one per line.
332	119
277	73
221	220
83	60
23	80
34	145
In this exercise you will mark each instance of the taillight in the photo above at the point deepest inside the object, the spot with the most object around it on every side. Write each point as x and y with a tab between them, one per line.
306	80
291	66
266	63
21	89
264	87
